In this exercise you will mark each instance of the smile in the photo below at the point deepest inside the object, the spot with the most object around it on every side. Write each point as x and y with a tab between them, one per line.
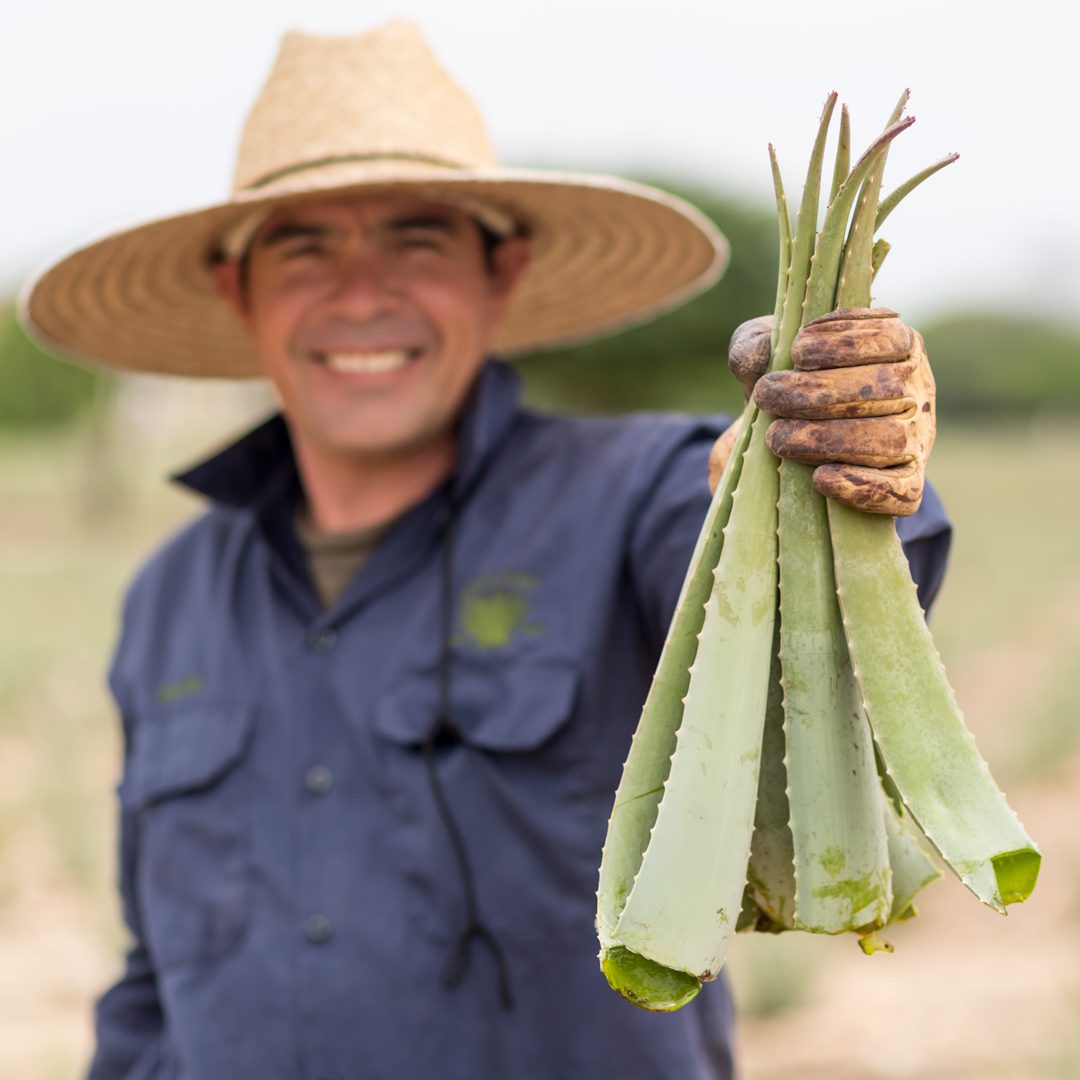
368	362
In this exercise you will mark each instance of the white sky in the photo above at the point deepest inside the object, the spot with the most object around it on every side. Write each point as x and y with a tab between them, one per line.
122	110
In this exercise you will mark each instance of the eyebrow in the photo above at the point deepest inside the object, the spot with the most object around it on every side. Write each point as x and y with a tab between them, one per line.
422	221
295	230
292	230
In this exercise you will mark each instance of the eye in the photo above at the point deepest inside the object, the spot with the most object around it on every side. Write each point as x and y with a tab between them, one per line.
304	249
420	240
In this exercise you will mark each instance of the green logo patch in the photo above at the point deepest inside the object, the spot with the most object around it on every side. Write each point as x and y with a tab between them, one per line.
495	607
182	688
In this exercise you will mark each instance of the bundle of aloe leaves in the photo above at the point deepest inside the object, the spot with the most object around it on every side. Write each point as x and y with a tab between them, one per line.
800	742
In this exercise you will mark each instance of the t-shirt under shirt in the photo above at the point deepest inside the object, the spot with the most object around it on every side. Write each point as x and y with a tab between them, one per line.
334	558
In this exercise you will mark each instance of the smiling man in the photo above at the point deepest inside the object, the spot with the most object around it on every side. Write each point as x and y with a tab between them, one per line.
376	700
372	317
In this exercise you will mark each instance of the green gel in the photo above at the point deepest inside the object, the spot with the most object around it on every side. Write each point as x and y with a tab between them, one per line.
645	983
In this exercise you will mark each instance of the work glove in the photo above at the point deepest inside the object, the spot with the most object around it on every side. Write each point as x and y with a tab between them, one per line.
858	404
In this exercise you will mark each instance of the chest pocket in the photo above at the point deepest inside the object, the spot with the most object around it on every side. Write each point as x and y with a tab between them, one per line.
504	704
184	784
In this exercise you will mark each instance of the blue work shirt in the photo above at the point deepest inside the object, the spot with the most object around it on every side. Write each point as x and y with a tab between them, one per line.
288	874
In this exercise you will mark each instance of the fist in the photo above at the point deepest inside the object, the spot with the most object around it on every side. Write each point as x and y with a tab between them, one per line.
858	404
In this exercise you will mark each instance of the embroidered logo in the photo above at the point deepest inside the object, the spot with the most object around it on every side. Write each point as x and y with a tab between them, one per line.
495	607
182	688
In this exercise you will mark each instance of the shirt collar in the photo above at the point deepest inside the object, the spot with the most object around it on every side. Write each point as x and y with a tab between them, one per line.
260	466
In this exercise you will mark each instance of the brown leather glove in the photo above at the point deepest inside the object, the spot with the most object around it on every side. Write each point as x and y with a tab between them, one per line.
859	404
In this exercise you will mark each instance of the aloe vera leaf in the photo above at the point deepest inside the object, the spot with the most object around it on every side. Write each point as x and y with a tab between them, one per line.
771	873
842	162
857	268
750	914
824	267
887	786
783	222
877	256
929	753
893	199
899	107
842	878
912	868
686	898
646	768
803	247
857	265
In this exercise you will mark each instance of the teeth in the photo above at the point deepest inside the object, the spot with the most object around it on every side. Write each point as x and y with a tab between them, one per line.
352	363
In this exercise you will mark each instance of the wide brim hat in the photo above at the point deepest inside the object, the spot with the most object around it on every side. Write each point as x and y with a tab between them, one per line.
362	115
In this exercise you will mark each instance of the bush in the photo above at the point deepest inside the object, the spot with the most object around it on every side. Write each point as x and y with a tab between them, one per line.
35	388
990	363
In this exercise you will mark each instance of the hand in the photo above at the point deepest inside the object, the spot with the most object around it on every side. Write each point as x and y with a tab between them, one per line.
859	404
748	359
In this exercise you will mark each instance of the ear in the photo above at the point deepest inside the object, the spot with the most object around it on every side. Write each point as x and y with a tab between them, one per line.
226	275
510	260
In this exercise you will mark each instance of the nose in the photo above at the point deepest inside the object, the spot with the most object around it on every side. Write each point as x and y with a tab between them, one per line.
364	285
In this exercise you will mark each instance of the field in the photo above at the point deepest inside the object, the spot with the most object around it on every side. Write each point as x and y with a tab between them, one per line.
966	995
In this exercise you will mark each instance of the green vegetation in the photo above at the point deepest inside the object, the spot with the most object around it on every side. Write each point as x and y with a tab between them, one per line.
35	390
998	364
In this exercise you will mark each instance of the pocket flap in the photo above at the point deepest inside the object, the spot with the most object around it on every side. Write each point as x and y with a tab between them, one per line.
509	704
185	748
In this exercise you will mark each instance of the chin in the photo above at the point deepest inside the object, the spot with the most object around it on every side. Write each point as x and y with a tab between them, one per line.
383	445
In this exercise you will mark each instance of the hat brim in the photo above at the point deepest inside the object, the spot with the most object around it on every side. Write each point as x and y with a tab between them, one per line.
605	254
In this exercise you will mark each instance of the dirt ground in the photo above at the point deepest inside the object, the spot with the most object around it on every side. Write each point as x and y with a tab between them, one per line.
968	995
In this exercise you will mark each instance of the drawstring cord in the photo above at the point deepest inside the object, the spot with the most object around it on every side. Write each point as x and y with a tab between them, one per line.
443	732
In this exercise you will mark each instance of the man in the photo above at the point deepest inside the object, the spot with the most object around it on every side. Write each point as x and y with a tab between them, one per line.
376	700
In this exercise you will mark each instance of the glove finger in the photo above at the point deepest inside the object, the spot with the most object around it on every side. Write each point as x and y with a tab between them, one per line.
748	352
878	442
720	452
870	390
850	337
896	491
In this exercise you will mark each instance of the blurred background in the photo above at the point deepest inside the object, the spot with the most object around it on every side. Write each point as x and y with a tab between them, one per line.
118	112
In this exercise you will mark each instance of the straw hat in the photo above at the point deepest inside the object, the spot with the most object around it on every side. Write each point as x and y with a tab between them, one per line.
357	115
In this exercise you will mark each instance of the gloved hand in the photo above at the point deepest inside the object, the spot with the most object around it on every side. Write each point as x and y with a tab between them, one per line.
858	404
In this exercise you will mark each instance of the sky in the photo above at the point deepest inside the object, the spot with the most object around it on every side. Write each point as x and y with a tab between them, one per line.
121	111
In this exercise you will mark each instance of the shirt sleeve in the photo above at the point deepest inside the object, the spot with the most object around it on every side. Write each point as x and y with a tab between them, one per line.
671	515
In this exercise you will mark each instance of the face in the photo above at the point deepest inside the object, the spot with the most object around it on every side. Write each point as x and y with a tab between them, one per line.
372	317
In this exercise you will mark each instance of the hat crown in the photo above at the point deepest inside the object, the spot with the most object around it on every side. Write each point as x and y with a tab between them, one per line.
380	95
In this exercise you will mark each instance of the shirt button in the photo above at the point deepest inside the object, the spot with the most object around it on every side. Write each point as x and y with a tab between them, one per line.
318	929
322	641
318	780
